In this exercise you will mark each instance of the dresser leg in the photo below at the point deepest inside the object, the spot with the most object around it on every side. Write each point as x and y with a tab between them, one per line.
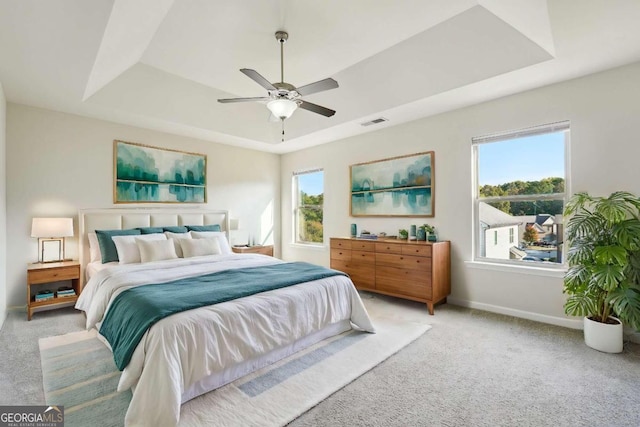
28	314
430	307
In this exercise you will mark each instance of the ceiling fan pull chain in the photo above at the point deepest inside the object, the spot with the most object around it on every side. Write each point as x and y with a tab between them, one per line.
282	140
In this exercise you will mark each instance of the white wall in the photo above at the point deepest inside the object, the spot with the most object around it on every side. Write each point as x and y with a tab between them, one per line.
58	163
603	109
3	209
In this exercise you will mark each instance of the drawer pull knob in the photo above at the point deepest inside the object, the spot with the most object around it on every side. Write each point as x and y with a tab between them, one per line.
401	257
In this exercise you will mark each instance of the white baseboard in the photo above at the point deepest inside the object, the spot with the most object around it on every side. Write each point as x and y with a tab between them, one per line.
629	334
543	318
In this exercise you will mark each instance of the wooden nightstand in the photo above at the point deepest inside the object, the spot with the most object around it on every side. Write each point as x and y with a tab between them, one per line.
264	250
48	274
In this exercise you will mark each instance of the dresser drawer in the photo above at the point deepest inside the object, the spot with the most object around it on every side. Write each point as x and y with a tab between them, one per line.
363	257
417	250
362	274
340	244
342	254
53	274
388	248
404	261
411	283
363	245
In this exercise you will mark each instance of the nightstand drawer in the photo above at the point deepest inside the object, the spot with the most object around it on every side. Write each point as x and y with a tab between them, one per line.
54	274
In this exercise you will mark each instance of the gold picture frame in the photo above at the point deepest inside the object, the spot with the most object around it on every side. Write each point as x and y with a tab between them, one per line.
402	186
147	174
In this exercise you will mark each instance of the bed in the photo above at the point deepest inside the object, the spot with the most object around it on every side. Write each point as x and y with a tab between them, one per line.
195	351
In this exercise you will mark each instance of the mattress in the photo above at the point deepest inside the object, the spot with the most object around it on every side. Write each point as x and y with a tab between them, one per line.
190	353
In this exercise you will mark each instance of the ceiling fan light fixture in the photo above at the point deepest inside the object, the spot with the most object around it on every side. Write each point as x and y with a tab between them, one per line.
282	108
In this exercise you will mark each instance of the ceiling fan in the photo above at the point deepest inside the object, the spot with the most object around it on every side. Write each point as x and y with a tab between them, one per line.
284	98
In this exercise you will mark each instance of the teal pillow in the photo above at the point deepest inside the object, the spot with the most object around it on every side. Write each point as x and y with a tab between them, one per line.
150	230
214	227
178	229
107	247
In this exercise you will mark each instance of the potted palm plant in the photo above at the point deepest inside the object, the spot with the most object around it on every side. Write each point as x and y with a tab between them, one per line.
603	279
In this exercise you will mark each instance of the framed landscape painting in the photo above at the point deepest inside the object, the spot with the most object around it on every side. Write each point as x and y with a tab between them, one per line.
146	174
398	186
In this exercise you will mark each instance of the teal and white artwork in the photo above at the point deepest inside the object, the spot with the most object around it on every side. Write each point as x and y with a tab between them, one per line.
145	174
398	186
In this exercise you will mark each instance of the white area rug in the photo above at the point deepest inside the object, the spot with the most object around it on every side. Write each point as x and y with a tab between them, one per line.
79	373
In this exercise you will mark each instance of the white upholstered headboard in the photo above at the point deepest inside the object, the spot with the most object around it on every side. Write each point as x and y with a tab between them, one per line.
118	219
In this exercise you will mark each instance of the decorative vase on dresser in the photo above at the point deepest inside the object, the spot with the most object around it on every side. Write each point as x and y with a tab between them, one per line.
415	270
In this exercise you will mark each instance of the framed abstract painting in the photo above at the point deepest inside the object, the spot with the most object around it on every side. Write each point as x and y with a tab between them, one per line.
397	186
146	174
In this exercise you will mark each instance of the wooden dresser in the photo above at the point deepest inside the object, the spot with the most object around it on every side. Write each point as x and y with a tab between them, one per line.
419	271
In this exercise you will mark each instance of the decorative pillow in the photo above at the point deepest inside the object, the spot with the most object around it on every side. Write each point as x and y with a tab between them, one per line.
225	249
127	246
108	249
156	250
94	248
199	247
150	230
176	237
176	229
213	227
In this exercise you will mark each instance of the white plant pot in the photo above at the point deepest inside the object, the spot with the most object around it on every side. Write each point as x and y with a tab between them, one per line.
603	336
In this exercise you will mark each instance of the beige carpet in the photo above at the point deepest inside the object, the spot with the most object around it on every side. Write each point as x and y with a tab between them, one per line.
80	375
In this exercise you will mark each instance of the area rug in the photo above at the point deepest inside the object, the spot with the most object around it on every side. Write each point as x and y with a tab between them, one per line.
79	373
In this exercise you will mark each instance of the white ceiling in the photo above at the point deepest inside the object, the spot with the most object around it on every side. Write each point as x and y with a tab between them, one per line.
162	64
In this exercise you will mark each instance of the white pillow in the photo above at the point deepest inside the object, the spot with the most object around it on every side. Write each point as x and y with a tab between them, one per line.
157	250
127	248
225	249
199	247
94	248
176	237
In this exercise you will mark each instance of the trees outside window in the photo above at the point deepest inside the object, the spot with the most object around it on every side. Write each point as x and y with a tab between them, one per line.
308	190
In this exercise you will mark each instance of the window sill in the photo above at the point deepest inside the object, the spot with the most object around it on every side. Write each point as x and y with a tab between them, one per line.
312	246
519	269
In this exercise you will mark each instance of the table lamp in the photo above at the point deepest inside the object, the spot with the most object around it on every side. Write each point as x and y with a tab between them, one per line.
51	233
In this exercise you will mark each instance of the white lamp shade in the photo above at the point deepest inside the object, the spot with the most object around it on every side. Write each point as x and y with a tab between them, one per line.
52	227
282	108
234	223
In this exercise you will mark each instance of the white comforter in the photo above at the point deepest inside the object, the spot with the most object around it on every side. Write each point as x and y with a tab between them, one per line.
182	349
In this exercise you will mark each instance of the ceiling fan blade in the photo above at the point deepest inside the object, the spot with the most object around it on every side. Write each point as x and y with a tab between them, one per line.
318	86
316	108
257	77
228	100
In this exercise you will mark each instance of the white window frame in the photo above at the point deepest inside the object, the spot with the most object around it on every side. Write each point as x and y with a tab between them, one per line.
511	235
476	228
296	205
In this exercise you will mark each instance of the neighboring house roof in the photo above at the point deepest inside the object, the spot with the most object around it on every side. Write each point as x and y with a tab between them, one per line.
544	219
494	218
537	227
541	219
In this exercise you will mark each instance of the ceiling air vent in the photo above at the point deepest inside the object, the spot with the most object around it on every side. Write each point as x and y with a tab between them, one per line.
375	121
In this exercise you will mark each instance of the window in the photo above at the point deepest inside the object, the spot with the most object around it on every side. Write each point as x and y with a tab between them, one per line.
520	189
308	197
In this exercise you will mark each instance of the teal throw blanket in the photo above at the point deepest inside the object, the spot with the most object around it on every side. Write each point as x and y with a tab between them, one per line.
137	309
